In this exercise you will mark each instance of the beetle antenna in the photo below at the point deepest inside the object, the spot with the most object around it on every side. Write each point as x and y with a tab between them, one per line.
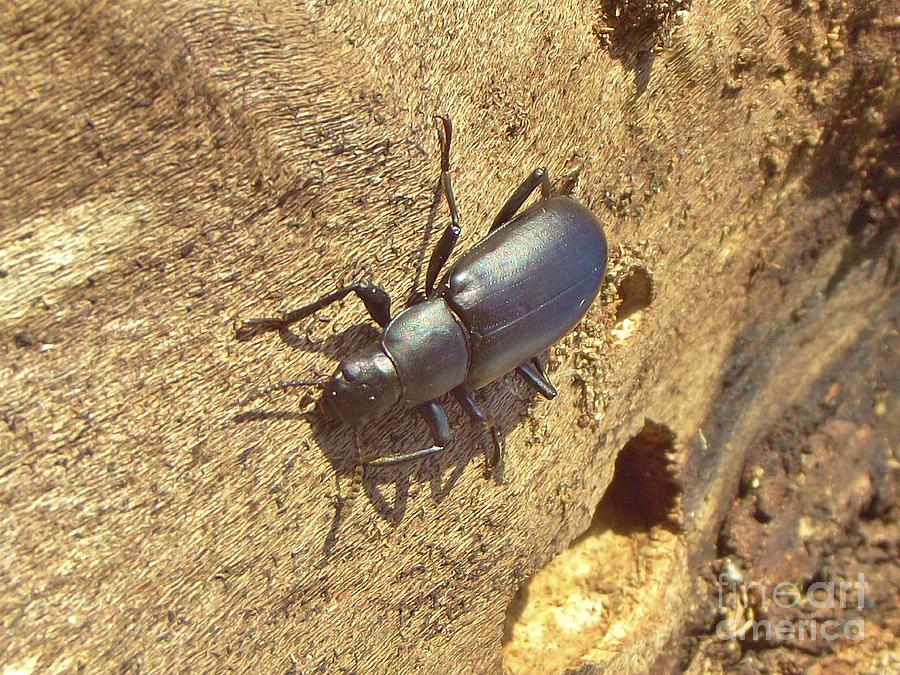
283	386
353	491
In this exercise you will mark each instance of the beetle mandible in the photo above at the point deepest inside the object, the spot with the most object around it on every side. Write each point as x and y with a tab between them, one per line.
505	300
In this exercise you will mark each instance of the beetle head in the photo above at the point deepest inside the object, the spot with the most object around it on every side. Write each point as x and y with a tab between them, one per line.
363	387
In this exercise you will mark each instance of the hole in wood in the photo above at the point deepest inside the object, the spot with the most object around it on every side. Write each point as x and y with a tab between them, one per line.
561	615
635	292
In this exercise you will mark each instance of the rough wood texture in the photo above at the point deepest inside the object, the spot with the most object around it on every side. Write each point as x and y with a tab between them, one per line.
169	167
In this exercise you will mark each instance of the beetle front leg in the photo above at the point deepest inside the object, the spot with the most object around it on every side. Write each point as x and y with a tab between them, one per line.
374	297
436	418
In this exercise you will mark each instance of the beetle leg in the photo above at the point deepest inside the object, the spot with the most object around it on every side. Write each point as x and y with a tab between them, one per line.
436	418
537	178
374	297
466	398
447	242
534	375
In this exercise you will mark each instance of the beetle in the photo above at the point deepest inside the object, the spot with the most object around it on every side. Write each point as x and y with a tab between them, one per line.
501	304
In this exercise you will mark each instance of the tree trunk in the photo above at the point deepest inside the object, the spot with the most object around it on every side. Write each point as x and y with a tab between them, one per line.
171	167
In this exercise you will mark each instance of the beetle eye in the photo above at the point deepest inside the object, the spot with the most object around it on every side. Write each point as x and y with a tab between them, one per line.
348	374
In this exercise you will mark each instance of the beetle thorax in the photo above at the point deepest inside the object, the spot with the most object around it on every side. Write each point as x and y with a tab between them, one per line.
429	349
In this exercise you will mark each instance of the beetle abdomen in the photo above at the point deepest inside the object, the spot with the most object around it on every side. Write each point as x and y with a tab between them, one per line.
526	285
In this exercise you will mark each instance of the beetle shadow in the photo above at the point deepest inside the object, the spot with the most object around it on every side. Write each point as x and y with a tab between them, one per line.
416	293
335	346
388	489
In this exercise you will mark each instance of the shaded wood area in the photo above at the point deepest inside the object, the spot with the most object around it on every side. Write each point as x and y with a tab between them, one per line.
171	167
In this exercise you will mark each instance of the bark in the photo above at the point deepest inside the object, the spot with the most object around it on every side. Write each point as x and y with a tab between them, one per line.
171	167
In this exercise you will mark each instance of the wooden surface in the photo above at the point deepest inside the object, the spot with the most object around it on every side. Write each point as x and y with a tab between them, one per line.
170	167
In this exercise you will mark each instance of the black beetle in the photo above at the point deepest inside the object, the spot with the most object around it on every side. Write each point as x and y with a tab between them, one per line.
506	300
